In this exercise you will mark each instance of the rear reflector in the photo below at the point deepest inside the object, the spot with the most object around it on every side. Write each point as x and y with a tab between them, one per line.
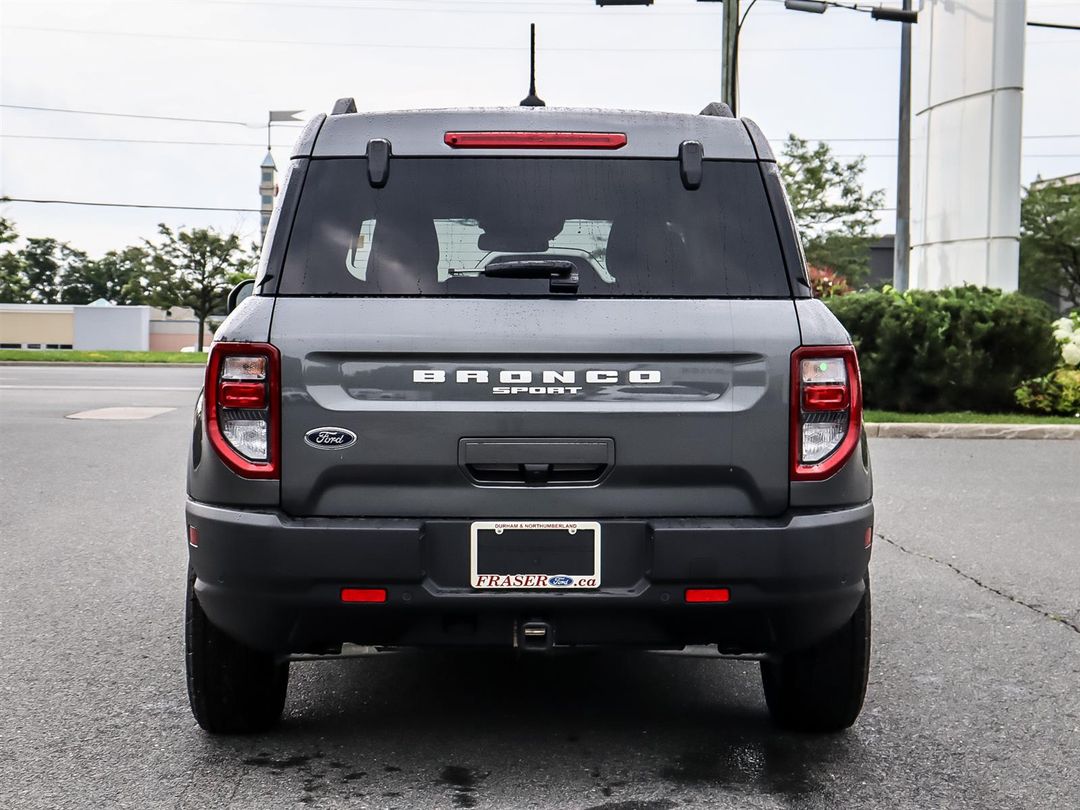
535	140
193	536
363	594
708	595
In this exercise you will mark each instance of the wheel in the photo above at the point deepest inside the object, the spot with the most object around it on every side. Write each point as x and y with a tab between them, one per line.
822	687
232	688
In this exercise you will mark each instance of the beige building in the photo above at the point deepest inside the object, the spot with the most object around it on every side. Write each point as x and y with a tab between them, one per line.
98	326
37	326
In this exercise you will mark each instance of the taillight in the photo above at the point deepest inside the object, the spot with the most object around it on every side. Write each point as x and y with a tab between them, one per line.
535	140
243	401
826	410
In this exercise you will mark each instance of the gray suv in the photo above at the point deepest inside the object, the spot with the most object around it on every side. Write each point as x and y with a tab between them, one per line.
530	378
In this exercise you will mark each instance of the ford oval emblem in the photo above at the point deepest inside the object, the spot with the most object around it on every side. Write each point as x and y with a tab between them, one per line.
560	581
330	438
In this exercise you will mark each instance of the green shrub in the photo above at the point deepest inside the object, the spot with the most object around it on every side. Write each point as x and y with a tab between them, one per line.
965	348
1057	393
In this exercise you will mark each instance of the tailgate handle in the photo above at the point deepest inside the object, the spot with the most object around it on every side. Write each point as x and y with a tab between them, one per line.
536	462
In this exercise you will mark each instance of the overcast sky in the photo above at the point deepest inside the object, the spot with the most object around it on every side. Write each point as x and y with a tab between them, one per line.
832	76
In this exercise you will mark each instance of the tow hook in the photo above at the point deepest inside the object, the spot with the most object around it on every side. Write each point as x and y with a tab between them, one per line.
535	635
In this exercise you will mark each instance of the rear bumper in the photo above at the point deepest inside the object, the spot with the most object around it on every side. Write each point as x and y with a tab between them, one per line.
274	582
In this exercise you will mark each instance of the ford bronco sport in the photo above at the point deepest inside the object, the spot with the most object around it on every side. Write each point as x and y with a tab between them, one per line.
530	378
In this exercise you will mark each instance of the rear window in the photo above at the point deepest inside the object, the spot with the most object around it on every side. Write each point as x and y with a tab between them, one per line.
628	225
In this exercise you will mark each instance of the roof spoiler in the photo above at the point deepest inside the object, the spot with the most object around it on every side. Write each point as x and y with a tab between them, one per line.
718	109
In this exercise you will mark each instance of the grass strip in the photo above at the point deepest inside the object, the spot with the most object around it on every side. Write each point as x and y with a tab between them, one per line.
971	418
75	356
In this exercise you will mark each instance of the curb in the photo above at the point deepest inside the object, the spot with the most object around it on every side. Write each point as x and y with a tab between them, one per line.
942	430
49	363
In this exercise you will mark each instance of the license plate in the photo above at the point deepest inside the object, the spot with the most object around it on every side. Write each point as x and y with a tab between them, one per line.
535	555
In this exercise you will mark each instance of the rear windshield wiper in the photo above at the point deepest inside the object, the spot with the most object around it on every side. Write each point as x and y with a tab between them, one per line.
561	273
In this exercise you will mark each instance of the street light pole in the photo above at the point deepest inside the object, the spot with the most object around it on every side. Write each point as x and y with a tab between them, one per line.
729	72
268	172
729	77
902	240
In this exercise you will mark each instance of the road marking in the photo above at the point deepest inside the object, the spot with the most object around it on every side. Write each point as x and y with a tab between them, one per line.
93	388
120	413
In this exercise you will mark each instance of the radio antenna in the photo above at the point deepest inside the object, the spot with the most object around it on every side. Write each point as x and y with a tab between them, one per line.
532	100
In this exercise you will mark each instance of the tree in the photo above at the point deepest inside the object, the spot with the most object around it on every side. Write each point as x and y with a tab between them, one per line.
196	268
43	264
1050	243
35	273
13	284
835	214
120	276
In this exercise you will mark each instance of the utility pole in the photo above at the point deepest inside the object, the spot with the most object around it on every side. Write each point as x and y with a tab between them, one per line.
729	71
902	240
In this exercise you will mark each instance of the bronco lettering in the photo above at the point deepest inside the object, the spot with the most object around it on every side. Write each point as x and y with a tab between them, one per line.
547	376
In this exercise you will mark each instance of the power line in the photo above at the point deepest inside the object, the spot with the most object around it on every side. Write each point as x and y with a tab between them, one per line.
139	140
424	46
581	9
112	114
893	138
289	145
129	205
1023	154
1054	25
126	115
166	207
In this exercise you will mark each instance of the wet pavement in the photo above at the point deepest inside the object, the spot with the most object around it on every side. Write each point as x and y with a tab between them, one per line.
974	698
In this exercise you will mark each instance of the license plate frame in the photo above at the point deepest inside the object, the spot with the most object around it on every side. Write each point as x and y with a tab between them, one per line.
533	580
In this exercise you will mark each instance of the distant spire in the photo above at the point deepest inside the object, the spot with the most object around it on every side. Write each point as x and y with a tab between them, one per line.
532	100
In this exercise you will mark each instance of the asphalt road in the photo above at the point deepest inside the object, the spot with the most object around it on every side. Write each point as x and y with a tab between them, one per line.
974	698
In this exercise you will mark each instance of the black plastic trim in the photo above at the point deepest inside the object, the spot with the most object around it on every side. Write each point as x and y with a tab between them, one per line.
786	230
719	109
305	144
378	162
691	168
274	582
760	142
278	248
344	106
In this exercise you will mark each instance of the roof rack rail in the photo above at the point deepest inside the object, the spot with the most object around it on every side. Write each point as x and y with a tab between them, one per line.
344	106
717	108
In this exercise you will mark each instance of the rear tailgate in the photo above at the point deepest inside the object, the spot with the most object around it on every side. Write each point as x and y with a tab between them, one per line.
683	406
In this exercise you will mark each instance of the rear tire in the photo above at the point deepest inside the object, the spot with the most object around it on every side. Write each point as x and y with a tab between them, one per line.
232	688
821	688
